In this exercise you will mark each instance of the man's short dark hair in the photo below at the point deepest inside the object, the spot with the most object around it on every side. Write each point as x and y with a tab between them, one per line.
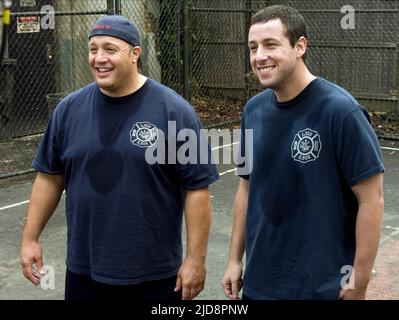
293	22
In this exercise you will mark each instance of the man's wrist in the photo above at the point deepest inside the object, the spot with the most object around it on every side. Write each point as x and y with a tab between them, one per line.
196	258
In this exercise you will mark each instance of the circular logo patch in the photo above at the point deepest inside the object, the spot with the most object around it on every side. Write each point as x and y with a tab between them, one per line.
143	134
306	146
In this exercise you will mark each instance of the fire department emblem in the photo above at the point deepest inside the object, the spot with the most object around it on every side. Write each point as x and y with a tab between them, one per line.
306	146
143	134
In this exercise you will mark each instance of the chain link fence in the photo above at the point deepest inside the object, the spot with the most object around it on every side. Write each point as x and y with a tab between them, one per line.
357	49
45	62
197	47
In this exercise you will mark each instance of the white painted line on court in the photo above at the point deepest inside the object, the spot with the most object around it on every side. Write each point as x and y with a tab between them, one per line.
14	205
224	146
226	172
17	204
27	201
220	174
231	144
390	236
391	149
389	227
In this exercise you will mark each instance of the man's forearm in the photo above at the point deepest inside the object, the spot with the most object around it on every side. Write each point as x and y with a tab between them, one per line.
237	245
368	229
198	222
46	193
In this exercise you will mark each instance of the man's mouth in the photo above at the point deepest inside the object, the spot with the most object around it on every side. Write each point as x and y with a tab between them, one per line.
103	70
266	68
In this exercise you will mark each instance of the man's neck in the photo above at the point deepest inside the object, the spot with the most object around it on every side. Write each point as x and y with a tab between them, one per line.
135	84
298	81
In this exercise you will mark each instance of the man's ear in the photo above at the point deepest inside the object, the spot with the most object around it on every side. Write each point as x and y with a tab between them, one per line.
301	46
136	53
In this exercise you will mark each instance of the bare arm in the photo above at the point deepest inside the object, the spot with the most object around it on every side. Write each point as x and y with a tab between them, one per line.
46	193
369	194
232	279
191	275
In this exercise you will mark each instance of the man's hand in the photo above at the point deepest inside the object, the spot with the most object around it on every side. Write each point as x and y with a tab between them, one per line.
31	253
232	281
353	294
191	278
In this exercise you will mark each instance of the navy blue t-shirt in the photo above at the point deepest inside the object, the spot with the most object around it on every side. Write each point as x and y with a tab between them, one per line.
124	216
307	154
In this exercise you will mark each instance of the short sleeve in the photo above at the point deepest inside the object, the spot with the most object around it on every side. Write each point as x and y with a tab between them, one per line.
244	155
47	158
195	167
358	150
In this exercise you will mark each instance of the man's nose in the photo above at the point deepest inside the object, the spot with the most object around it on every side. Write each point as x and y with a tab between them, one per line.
100	56
262	54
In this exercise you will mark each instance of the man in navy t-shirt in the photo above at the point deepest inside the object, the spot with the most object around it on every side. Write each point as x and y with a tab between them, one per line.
308	212
124	210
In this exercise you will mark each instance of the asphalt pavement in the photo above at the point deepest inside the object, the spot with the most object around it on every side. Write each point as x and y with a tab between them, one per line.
14	195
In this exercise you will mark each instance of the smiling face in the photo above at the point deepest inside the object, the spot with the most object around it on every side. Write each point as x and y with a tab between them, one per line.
273	59
113	65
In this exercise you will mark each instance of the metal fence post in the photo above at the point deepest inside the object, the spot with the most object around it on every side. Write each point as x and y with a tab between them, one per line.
6	18
178	43
248	14
111	7
186	50
118	7
114	7
397	50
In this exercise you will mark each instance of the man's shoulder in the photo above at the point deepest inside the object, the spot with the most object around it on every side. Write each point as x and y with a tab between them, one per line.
82	92
336	99
166	93
73	101
335	92
75	96
260	98
171	101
